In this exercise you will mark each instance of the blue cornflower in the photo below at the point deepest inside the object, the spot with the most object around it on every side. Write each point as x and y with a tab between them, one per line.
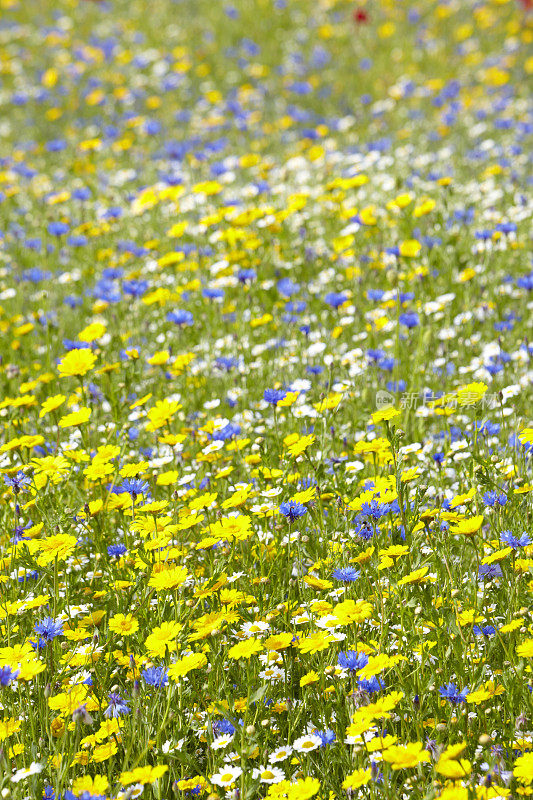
346	574
494	498
373	684
116	706
213	294
135	288
117	550
226	362
155	676
7	675
374	509
134	487
223	726
409	319
49	793
292	510
245	275
486	630
225	433
352	660
48	628
452	693
180	317
57	228
364	530
327	736
273	396
17	482
335	299
508	538
489	571
287	288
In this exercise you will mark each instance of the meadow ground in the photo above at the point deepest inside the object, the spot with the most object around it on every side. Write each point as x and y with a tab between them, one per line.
266	440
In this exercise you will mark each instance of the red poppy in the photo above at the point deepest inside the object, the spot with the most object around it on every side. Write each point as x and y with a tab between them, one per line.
360	16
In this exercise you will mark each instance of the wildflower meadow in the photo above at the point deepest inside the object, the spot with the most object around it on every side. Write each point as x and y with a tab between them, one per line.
266	432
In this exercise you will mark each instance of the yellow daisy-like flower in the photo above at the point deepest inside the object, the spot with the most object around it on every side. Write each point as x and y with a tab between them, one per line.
168	578
186	664
89	334
51	403
123	624
523	768
143	775
470	394
245	649
76	418
468	527
76	362
315	642
525	650
94	786
360	777
163	637
59	546
406	756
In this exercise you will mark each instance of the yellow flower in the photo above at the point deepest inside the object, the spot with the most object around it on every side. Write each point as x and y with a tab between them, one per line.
68	701
76	418
406	756
51	403
375	665
230	528
332	401
298	447
104	751
377	743
245	649
360	777
143	775
11	656
385	414
161	413
424	207
526	436
8	727
162	638
350	611
523	768
124	625
93	331
76	362
468	527
168	578
410	248
59	546
454	769
186	664
525	650
304	789
279	641
315	642
470	394
309	677
94	786
418	576
454	791
52	468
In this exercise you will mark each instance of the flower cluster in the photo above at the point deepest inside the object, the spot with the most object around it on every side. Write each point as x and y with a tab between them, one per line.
266	443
